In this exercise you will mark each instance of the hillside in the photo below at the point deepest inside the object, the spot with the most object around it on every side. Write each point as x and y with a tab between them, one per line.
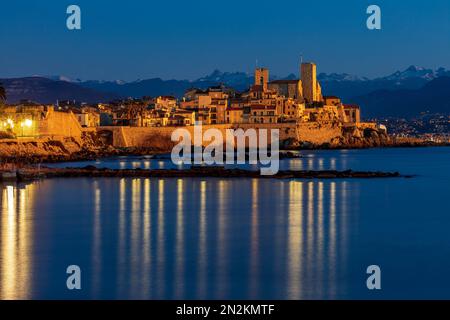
45	90
434	97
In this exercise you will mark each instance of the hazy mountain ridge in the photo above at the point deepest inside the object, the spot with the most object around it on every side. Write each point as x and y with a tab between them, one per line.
433	97
344	85
348	86
418	72
45	90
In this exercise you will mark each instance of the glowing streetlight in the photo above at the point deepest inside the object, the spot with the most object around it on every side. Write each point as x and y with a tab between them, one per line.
27	123
10	123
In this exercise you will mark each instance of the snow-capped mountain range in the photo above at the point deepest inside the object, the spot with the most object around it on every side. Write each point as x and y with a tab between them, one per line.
340	77
242	77
418	72
409	73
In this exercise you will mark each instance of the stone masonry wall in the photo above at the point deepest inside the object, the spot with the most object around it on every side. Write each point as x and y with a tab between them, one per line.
316	133
60	124
146	136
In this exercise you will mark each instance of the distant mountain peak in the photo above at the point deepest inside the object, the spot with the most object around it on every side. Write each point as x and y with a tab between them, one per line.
61	78
216	73
417	72
218	76
290	76
414	68
339	77
44	90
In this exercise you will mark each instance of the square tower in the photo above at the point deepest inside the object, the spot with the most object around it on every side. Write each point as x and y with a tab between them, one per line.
309	82
262	77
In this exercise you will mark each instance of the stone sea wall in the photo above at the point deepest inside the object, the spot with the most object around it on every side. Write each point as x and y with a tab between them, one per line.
60	125
160	137
295	134
78	143
316	133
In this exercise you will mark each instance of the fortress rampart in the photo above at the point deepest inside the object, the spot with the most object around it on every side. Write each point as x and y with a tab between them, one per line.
59	125
312	132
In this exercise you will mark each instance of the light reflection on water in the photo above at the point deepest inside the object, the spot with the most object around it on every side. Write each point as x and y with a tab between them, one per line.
173	238
308	161
233	238
16	243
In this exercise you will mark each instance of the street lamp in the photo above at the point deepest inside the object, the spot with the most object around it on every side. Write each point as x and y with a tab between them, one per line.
27	123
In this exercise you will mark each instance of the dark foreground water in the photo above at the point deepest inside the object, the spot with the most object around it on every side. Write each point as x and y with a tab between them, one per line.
234	238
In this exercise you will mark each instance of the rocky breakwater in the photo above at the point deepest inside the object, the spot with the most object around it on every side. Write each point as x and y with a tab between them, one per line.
31	173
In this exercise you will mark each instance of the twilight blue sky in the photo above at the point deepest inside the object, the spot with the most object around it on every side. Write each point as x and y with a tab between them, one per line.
187	39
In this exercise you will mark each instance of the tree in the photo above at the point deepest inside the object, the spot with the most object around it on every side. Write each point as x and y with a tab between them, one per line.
2	93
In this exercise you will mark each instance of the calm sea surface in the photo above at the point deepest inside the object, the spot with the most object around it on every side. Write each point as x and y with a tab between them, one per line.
233	238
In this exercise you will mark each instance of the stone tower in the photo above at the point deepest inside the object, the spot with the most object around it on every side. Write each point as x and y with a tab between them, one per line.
309	82
262	77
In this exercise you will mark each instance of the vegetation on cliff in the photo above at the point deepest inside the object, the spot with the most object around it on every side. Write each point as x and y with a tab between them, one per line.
2	94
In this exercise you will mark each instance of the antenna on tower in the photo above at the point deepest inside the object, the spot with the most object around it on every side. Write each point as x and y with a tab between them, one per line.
301	62
256	63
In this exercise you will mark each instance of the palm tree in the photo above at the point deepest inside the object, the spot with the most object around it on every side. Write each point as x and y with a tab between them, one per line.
2	93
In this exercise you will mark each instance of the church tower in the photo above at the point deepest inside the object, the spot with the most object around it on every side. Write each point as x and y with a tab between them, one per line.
309	82
262	77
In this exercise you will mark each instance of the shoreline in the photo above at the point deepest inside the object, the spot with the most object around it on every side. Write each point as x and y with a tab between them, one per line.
32	173
388	146
91	155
